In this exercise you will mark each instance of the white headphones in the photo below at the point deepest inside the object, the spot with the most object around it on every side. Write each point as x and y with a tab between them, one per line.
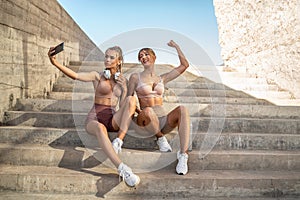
107	74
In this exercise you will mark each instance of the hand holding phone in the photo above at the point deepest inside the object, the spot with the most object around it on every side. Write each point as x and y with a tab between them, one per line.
57	49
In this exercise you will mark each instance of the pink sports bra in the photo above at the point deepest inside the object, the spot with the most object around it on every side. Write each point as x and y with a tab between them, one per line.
146	90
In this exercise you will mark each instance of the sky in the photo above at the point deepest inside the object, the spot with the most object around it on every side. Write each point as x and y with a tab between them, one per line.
103	20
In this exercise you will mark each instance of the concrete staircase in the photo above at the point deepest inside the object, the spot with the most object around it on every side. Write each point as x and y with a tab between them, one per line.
259	88
243	147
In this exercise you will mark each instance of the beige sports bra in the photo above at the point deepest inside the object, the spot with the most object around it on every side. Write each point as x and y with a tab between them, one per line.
146	90
103	91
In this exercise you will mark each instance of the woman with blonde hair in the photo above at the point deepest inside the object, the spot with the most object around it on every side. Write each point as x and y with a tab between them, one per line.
110	89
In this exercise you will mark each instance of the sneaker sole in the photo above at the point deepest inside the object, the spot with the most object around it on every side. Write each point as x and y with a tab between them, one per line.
165	151
135	184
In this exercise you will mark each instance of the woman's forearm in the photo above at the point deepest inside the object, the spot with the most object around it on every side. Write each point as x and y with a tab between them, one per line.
70	73
182	58
123	97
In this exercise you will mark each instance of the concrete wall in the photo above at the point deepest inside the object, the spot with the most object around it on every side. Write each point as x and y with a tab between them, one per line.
263	37
27	29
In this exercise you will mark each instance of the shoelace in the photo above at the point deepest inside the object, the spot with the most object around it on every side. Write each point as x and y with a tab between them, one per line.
122	174
119	149
165	144
182	158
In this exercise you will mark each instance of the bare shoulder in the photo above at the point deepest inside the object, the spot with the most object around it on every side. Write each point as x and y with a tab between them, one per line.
96	74
133	77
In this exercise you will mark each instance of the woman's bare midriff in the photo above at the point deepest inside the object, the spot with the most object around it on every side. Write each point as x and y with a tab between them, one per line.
106	101
150	101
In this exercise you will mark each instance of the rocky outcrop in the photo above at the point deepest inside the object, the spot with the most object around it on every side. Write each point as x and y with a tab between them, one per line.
262	37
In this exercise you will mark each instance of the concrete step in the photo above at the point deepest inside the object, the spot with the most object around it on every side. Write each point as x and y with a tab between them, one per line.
188	91
66	156
228	93
233	74
203	84
200	83
204	123
29	196
88	88
79	137
250	141
251	111
269	94
228	79
217	96
105	182
40	135
71	96
259	96
285	102
200	109
42	119
240	81
250	125
179	94
13	195
170	98
256	87
68	84
42	179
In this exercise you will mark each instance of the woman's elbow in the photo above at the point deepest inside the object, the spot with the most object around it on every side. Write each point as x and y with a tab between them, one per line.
186	65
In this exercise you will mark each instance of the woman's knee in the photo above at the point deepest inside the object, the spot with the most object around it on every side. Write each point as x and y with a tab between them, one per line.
95	128
148	112
144	118
175	115
182	110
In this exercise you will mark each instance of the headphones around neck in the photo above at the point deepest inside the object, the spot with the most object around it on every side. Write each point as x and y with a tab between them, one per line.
107	74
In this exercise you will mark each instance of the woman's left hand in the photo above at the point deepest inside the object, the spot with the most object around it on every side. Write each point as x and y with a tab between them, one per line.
172	44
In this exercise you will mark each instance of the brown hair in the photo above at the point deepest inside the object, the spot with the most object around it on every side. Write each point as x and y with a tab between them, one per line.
148	50
120	56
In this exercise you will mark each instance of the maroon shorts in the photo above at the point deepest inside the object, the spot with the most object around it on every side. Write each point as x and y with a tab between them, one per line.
103	114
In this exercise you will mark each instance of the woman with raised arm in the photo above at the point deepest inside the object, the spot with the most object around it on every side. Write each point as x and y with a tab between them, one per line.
110	89
149	88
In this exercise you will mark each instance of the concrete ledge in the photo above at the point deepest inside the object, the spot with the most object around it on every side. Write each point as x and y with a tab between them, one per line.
73	138
51	196
205	183
202	123
66	157
199	109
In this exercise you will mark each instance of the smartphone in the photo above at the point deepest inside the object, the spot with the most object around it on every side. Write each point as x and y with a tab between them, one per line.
58	49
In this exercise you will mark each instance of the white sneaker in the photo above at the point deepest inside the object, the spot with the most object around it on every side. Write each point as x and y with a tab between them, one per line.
128	176
117	144
182	167
163	144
